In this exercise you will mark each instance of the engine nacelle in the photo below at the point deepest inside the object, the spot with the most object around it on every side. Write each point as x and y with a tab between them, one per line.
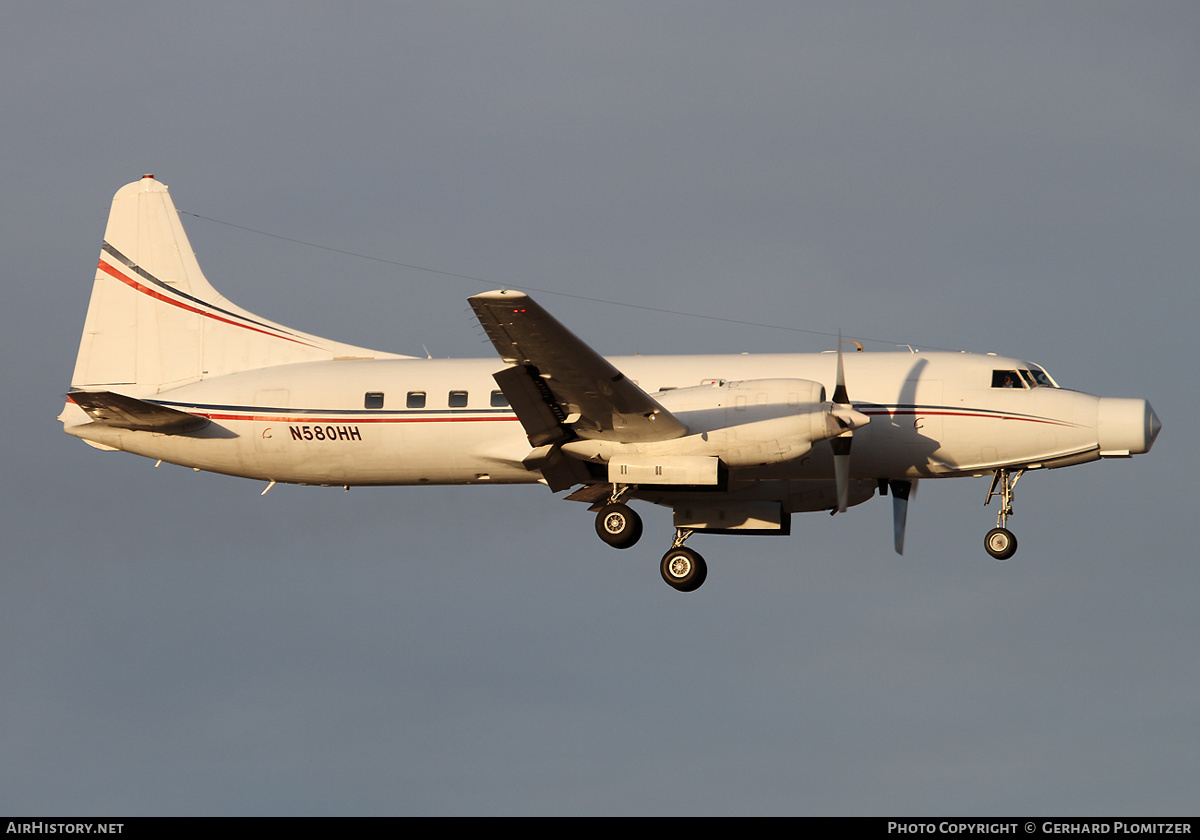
779	421
722	403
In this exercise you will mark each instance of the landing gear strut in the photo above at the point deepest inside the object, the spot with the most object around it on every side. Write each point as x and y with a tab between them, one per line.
682	568
1000	542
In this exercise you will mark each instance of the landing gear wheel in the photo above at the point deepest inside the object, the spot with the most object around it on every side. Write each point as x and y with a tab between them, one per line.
683	569
1001	543
618	525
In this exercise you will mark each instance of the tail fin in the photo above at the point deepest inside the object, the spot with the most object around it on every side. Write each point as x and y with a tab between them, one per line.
154	322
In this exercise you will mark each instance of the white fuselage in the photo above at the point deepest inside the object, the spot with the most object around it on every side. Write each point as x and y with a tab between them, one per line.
931	415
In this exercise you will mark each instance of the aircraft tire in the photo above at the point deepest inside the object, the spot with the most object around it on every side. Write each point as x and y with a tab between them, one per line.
1000	543
618	525
683	569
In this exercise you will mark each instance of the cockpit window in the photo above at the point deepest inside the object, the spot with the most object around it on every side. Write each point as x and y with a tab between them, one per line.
1006	379
1042	378
1033	377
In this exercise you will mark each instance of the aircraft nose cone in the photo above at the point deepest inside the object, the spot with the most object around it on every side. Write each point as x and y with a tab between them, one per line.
1153	424
1126	427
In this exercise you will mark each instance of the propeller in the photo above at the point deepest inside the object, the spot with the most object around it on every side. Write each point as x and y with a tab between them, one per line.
901	490
846	420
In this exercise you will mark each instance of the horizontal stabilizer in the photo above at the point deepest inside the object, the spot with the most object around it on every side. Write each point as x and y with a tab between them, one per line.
122	412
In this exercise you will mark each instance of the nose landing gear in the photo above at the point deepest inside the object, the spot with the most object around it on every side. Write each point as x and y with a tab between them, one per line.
1000	542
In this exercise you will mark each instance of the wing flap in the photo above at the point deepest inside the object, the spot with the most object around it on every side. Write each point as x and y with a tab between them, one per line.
122	412
540	414
582	388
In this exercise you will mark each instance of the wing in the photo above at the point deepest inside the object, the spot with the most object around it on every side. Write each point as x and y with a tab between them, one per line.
122	412
560	387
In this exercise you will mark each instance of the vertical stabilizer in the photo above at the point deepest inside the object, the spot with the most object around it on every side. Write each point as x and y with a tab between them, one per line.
154	322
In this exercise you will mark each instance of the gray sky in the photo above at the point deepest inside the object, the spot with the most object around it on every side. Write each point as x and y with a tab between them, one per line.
1019	178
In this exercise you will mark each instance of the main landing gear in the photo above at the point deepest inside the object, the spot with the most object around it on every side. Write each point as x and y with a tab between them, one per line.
618	525
1000	542
682	568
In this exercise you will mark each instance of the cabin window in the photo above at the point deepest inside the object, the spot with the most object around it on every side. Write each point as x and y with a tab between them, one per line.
373	399
416	399
1006	379
499	400
458	399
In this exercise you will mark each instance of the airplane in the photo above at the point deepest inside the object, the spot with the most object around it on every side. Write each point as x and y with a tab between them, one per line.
733	444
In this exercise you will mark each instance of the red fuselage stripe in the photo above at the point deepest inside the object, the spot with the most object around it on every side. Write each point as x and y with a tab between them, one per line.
918	413
351	421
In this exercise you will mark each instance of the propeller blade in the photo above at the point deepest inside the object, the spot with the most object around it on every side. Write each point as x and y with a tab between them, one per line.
839	390
841	470
900	493
846	418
